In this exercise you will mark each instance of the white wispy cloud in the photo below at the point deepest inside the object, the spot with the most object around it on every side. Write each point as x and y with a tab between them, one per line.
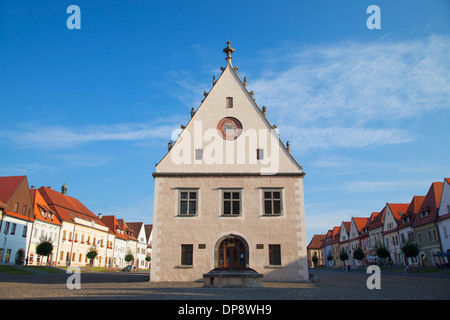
56	136
354	94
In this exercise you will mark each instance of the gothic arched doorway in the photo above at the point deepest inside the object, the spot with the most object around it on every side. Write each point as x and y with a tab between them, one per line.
232	252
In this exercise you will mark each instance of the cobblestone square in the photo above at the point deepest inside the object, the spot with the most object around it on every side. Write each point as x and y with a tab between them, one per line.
330	285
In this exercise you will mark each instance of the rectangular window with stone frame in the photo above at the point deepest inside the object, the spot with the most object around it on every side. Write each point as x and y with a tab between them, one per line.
188	202
187	254
272	202
231	202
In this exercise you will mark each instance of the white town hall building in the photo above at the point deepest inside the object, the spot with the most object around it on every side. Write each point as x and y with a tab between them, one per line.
228	194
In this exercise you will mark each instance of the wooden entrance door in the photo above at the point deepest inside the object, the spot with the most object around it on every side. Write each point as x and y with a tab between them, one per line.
231	254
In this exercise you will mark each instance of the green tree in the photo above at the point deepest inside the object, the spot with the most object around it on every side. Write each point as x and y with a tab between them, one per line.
129	257
343	255
381	250
410	250
44	247
315	259
358	254
329	256
92	254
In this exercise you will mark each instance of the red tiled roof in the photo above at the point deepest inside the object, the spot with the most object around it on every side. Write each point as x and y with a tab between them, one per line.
39	202
67	207
430	204
18	216
8	186
3	205
113	225
316	241
377	221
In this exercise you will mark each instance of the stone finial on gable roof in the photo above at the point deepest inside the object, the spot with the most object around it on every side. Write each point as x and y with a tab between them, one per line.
228	51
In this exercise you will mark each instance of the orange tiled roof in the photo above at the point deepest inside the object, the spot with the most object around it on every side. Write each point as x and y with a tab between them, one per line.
360	223
410	212
397	209
377	221
40	204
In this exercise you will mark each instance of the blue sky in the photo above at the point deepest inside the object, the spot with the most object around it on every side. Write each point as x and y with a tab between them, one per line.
366	111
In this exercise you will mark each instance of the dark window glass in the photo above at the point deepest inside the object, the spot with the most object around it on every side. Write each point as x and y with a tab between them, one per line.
274	255
187	254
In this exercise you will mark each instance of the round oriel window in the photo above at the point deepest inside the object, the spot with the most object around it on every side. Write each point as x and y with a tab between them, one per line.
229	128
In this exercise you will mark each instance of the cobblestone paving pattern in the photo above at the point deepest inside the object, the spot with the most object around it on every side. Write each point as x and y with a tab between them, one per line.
330	285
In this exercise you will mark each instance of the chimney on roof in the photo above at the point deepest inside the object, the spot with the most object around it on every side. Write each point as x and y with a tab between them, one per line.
64	188
100	215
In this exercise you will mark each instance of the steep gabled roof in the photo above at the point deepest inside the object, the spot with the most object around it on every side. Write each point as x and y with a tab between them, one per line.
346	225
430	206
444	212
114	227
14	189
316	241
9	185
136	227
397	209
148	231
128	231
67	208
209	114
410	213
40	206
377	221
360	223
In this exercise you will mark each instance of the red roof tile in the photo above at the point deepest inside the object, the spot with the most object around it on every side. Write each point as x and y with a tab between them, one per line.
114	227
67	207
316	241
8	185
430	206
38	204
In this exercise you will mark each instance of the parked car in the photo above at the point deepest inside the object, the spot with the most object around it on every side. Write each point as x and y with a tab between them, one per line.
129	268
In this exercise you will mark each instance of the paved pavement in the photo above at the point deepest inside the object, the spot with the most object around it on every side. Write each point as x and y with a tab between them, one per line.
330	285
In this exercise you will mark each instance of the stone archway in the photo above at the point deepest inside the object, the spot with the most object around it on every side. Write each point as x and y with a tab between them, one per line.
231	252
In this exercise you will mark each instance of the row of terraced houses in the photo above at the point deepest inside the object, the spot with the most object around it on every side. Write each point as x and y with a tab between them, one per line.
424	221
30	215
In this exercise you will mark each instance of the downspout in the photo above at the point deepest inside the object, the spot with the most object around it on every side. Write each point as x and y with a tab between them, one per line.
59	245
29	242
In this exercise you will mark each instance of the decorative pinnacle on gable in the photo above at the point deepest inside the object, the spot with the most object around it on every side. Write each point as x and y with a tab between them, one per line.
228	50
